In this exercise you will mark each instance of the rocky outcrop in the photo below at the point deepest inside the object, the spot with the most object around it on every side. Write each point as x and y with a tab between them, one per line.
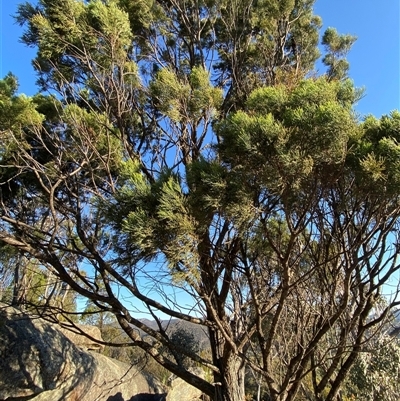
84	336
38	362
181	391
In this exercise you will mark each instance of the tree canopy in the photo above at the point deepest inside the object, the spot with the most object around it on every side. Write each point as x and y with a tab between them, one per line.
184	159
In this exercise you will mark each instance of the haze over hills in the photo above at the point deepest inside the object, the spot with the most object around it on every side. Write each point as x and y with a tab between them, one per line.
171	325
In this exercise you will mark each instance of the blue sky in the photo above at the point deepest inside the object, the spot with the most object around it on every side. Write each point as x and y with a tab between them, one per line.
374	60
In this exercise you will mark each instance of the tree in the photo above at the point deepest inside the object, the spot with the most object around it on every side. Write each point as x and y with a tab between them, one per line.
183	338
375	375
183	150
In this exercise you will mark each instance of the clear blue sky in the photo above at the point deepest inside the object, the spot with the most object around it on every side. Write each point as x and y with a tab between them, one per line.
374	60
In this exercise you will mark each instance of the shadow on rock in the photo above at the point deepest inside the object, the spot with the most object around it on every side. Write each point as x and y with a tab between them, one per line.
139	397
37	362
35	357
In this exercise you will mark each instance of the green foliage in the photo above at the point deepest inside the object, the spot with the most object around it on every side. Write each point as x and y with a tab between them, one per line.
95	316
16	111
60	21
183	339
99	29
170	94
375	155
287	136
258	39
375	375
184	100
337	46
31	285
190	147
207	181
91	128
159	219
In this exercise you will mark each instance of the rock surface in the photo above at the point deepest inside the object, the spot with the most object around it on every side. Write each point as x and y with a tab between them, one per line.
83	341
182	391
39	362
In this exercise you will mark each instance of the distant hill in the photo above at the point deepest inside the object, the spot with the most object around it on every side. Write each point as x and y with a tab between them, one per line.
199	332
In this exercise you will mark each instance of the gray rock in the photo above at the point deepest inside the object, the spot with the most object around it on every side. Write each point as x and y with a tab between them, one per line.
39	362
81	340
182	391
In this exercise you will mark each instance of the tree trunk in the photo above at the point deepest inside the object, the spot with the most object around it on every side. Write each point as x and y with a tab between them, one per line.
18	288
231	385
